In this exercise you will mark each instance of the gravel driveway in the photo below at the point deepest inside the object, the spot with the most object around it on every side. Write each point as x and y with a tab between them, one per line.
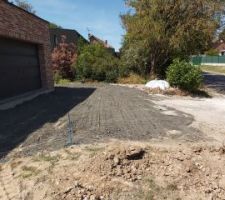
99	112
215	81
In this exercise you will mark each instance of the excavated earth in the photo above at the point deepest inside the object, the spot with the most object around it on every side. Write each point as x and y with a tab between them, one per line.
117	171
127	145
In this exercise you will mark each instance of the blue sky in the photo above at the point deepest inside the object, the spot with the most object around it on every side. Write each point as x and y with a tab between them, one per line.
100	16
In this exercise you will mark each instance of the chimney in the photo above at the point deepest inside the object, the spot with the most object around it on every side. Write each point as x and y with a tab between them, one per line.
106	42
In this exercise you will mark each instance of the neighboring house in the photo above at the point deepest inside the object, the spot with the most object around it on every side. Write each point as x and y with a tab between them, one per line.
72	36
25	66
220	47
94	40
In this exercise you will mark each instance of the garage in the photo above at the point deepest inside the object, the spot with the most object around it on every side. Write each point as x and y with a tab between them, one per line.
25	56
19	68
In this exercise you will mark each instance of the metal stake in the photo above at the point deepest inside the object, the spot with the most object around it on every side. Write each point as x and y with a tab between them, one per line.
69	132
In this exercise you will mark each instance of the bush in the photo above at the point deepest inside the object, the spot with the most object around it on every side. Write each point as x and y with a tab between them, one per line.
95	62
111	76
63	56
184	75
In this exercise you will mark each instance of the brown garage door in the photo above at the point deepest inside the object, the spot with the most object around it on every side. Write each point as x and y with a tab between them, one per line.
19	68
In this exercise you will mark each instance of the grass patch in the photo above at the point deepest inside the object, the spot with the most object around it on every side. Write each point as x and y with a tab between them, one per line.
132	79
14	164
29	171
215	69
63	82
72	156
47	158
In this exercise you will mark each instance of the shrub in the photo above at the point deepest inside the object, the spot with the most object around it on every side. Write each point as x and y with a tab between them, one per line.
63	56
95	62
112	76
184	75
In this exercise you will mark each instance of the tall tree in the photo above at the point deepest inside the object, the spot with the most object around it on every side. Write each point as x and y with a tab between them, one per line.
25	5
160	30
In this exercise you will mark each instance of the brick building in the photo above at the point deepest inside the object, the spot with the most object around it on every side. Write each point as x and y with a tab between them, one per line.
220	47
25	66
72	36
95	40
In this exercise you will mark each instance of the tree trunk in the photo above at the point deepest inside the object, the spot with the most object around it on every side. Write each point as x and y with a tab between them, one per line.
153	68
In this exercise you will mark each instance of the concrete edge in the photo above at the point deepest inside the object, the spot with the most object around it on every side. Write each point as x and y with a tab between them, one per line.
18	100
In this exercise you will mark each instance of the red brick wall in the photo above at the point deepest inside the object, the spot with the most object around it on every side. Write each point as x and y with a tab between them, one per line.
18	24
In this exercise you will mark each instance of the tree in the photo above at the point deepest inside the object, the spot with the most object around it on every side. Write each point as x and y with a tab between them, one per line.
222	35
63	56
160	30
25	5
95	62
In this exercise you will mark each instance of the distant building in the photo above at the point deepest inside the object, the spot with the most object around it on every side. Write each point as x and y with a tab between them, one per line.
220	47
95	40
72	36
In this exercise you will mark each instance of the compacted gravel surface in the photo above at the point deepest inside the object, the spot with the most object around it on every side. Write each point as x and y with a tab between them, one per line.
215	81
98	111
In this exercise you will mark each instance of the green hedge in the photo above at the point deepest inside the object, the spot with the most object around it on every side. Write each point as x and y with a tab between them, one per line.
184	75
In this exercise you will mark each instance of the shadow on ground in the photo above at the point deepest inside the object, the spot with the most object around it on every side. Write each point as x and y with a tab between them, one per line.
215	81
105	112
17	124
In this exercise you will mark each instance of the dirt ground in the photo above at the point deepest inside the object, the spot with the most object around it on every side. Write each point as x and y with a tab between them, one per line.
99	112
129	145
118	170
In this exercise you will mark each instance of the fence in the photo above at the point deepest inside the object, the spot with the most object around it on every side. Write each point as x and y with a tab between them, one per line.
208	60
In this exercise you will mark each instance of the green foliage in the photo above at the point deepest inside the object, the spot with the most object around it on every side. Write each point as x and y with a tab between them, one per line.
184	75
96	63
134	59
160	31
57	77
81	43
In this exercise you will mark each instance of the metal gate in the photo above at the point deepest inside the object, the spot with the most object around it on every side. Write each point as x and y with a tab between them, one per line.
19	68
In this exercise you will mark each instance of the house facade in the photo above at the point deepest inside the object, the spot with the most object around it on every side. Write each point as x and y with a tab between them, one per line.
95	40
71	36
220	47
25	55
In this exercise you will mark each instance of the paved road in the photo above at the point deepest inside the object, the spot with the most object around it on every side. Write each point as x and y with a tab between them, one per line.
215	81
100	112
